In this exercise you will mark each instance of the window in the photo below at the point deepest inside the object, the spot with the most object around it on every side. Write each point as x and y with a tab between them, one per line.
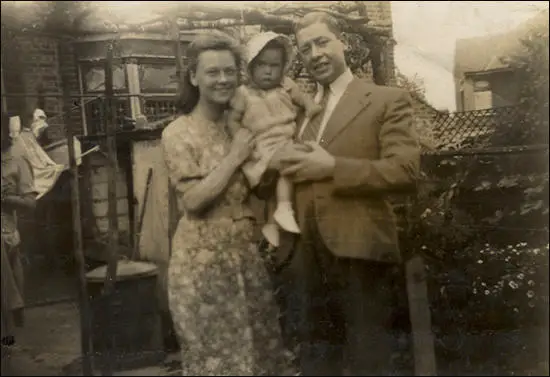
154	78
157	78
483	96
481	86
483	100
158	84
94	79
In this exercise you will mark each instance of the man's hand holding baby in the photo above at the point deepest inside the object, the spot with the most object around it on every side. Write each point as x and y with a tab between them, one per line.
308	162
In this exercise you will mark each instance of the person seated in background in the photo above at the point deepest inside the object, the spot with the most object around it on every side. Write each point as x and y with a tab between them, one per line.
45	171
18	194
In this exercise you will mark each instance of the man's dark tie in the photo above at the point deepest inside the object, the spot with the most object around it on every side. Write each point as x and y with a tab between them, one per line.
312	127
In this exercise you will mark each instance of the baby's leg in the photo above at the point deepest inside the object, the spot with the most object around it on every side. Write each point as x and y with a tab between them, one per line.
284	214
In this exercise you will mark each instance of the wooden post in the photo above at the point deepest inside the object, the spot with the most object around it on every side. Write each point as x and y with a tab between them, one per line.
178	52
85	311
421	322
180	72
110	278
170	339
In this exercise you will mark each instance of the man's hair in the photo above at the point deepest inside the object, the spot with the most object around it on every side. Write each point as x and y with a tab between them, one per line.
318	17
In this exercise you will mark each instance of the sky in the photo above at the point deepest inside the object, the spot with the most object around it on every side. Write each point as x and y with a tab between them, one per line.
426	32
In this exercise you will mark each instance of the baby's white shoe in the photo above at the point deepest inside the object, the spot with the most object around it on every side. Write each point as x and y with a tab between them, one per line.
284	216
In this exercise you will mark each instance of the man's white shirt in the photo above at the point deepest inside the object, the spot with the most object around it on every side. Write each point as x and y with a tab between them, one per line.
337	89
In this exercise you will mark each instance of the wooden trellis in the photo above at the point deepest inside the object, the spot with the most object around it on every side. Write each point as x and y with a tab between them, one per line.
182	17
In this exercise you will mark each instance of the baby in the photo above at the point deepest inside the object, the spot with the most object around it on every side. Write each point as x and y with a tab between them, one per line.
272	94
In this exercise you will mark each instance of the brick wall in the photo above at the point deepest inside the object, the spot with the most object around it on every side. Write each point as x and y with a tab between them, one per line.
68	71
12	75
380	15
33	62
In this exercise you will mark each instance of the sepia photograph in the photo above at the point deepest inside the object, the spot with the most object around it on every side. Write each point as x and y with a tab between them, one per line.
275	188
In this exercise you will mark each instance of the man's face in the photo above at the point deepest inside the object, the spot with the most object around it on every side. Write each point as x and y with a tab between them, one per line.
322	52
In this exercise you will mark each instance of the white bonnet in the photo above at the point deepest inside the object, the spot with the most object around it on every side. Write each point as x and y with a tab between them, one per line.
257	43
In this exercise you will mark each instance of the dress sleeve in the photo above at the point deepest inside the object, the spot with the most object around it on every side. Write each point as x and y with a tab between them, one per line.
182	163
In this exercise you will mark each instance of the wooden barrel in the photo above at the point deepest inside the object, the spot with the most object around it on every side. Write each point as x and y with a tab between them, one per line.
135	331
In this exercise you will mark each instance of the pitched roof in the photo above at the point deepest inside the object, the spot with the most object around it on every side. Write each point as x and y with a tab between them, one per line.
484	53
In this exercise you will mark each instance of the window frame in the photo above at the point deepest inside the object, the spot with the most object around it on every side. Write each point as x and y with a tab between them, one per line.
133	92
85	66
161	61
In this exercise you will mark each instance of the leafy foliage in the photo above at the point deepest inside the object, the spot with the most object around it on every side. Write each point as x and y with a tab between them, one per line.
482	225
414	85
531	67
481	221
423	115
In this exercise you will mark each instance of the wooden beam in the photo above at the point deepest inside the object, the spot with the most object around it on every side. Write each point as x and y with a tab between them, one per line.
420	315
110	130
110	278
84	300
178	52
204	16
487	151
185	36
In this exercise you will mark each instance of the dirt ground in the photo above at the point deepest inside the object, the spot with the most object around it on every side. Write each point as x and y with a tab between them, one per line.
50	341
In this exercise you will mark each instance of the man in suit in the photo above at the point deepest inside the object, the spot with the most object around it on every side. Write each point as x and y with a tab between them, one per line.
362	148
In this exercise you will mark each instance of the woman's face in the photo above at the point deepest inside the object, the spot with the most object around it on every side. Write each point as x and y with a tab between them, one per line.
216	76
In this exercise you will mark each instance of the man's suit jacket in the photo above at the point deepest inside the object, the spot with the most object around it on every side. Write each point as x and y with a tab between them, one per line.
371	135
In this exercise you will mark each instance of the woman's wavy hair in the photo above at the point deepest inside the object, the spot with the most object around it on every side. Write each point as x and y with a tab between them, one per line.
188	97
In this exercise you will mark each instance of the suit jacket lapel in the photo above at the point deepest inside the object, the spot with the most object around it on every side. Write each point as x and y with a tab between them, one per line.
354	99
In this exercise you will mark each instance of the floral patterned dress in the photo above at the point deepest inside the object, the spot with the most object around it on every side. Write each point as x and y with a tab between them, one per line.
219	291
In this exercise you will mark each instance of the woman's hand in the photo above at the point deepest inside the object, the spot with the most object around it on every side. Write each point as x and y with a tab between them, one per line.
241	146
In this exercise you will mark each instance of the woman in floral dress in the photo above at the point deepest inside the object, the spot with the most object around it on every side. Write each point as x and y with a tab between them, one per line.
219	291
